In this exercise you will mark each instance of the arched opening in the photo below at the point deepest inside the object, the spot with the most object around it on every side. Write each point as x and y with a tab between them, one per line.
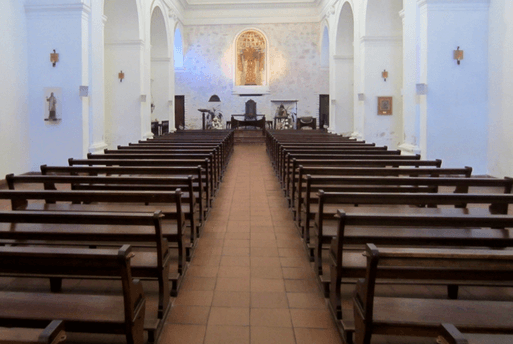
342	113
160	64
382	50
123	57
178	49
325	48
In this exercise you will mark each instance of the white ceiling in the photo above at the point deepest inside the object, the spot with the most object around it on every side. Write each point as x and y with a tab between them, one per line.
212	12
270	3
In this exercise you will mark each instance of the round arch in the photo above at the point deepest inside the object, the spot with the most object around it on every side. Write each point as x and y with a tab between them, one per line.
123	57
160	66
342	109
240	63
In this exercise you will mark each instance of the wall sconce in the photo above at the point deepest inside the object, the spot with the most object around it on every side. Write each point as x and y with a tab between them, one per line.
458	55
384	74
54	58
121	76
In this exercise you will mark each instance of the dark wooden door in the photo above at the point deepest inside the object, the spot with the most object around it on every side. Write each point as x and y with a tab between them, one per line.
179	112
324	110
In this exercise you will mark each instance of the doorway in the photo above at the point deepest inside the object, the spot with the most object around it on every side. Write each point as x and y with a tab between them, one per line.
180	112
324	111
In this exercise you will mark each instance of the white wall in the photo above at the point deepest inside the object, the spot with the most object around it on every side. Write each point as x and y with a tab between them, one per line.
500	147
64	29
456	105
295	71
14	120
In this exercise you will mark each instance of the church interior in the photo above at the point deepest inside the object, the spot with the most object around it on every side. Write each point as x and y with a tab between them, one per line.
429	79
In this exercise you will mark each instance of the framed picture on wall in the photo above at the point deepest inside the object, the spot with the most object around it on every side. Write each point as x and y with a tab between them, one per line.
384	105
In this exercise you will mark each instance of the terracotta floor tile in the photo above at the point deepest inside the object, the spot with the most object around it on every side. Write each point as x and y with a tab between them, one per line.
194	298
306	300
311	318
234	261
263	236
265	261
295	262
262	243
268	272
233	284
301	286
237	299
262	229
267	285
236	251
237	236
289	243
317	336
227	335
236	242
199	283
269	300
179	334
229	316
234	271
270	317
272	335
202	271
188	315
206	261
291	252
298	273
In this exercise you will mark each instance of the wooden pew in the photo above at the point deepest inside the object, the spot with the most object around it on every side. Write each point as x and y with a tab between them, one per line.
52	334
310	185
449	334
433	227
207	174
327	227
215	150
293	177
214	165
374	171
144	231
394	315
197	173
119	314
190	206
167	202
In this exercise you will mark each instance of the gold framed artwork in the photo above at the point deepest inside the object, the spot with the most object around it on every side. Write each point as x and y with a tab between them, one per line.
384	105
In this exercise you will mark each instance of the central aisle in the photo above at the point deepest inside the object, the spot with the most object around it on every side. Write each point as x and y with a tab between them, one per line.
250	280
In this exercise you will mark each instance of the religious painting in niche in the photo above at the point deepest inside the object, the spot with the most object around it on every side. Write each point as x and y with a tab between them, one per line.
384	105
251	50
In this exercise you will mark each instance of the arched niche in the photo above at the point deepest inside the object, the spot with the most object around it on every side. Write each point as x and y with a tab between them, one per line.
381	48
342	106
160	67
251	62
123	53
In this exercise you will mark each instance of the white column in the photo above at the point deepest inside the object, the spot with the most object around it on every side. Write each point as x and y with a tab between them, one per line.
96	84
409	141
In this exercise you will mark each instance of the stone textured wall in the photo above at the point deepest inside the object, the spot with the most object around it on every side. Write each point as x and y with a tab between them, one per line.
294	62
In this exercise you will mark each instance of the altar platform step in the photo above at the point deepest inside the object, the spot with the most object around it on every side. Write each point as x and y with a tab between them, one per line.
249	136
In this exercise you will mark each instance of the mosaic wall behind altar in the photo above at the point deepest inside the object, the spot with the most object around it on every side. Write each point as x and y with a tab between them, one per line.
210	64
